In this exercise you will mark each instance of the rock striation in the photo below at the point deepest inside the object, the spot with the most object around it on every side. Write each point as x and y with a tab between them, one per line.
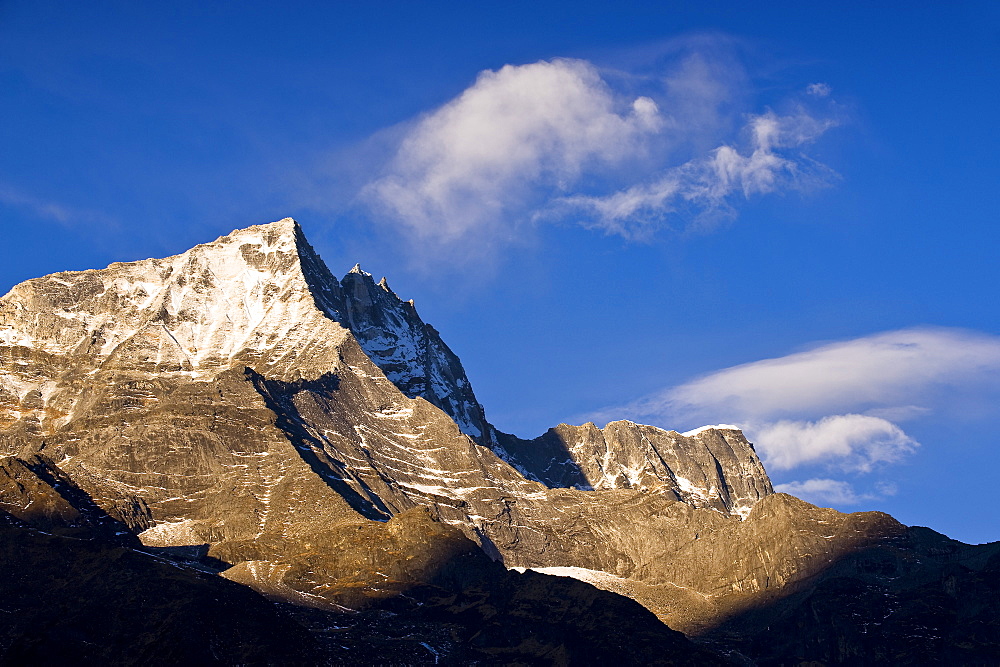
238	409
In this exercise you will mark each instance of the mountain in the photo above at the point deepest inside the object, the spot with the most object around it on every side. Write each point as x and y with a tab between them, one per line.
239	412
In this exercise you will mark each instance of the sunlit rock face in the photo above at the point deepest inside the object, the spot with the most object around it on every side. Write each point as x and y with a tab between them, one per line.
307	433
227	386
712	467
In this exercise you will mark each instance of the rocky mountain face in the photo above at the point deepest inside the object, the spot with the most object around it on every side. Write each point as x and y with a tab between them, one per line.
238	410
410	352
713	467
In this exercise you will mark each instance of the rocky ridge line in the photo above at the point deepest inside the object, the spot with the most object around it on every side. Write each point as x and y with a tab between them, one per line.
225	392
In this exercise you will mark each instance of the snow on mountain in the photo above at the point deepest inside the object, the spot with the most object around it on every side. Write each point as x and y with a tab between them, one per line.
262	298
239	403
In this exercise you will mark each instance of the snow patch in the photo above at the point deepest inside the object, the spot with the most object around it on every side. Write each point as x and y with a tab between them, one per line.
170	534
595	577
717	427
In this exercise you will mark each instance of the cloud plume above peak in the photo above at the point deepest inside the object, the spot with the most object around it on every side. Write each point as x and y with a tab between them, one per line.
560	140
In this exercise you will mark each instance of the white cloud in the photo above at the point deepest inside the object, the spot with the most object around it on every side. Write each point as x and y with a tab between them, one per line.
854	442
468	164
839	404
554	140
709	182
823	492
895	370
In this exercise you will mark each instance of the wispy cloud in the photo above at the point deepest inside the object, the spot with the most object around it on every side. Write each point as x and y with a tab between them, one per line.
618	151
819	89
707	184
822	491
47	209
840	404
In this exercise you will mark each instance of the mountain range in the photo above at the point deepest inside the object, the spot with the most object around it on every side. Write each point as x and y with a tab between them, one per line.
231	456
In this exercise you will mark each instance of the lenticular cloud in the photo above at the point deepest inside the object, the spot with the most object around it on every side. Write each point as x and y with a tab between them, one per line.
894	369
840	404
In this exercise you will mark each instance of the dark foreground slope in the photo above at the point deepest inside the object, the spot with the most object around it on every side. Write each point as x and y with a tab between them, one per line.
879	593
75	601
76	593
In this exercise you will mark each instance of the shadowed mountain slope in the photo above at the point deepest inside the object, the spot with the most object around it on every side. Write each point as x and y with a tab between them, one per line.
75	594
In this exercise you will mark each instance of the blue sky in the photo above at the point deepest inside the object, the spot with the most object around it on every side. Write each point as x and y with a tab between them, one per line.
783	217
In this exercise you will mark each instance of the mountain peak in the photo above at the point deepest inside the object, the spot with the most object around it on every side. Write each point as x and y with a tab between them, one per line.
714	467
234	296
282	233
285	225
359	271
237	405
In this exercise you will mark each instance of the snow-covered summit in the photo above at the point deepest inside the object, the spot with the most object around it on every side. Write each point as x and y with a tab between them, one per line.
259	294
243	294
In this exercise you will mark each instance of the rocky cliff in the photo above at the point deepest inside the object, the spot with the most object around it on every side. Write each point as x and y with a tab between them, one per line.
713	467
410	352
239	408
